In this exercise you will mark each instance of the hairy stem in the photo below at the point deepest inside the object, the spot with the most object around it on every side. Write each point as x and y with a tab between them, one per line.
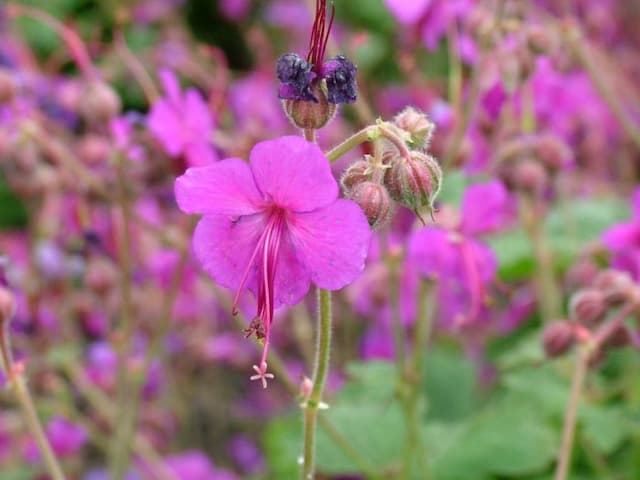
320	371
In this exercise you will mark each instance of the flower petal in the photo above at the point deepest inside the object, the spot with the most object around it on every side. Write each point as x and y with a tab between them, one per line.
294	173
224	247
222	188
332	242
623	236
486	207
433	252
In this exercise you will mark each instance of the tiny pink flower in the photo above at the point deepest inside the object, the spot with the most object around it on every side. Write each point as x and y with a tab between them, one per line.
274	226
182	123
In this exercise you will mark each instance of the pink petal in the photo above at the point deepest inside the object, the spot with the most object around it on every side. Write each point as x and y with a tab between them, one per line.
170	85
294	173
200	154
223	188
408	11
224	247
486	207
198	118
166	127
621	237
293	279
332	242
433	252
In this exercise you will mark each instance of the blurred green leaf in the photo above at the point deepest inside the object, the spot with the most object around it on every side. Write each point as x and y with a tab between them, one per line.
372	15
605	428
505	440
450	385
569	228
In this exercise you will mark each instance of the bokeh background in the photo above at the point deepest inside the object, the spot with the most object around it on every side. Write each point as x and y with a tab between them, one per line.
137	367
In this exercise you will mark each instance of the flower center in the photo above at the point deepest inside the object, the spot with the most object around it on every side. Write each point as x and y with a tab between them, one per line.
265	256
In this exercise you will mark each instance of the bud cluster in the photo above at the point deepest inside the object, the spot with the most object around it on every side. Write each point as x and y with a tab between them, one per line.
588	317
408	175
528	163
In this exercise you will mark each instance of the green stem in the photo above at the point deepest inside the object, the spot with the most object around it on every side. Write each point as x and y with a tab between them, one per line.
579	374
25	401
125	427
321	368
412	405
548	292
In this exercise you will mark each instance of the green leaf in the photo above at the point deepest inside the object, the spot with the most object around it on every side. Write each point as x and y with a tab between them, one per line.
604	427
282	443
450	385
506	440
569	227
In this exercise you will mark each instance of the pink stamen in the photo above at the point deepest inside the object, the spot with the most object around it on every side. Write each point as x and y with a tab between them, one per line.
269	246
320	34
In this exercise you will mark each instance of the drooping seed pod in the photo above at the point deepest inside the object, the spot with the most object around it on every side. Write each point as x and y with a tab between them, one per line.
374	200
588	306
558	338
414	181
357	173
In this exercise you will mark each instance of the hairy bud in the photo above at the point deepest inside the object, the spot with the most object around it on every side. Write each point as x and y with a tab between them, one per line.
374	200
618	287
414	181
7	305
100	103
417	125
357	173
311	114
553	152
530	176
588	306
558	338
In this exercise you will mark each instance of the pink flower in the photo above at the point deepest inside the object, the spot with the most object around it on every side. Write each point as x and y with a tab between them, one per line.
182	123
274	226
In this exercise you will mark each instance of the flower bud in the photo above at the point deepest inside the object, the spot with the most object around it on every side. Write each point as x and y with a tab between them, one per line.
311	114
417	125
94	149
7	86
358	172
414	181
553	152
374	200
617	286
588	306
530	176
101	103
558	338
619	337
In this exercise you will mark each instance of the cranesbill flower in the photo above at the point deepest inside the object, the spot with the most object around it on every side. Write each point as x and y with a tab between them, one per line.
182	123
463	266
274	226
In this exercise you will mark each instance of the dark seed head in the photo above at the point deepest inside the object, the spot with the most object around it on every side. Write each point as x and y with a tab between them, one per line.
340	75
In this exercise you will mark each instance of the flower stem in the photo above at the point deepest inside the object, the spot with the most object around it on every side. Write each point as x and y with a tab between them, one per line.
579	374
125	427
412	405
321	368
25	401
